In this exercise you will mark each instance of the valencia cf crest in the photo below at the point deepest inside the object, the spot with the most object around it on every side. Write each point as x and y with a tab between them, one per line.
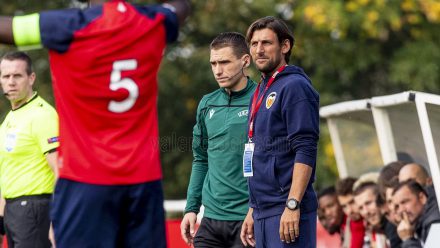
270	99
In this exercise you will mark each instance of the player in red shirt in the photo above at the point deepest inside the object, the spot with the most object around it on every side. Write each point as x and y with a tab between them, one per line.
104	62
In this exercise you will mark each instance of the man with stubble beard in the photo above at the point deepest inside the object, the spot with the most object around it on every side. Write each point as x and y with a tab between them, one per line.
366	196
353	229
280	155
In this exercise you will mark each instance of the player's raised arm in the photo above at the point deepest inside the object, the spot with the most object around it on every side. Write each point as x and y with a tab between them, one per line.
182	8
6	36
21	31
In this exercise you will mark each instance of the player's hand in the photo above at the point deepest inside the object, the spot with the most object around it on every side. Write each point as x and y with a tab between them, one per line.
187	227
247	230
289	225
52	236
405	230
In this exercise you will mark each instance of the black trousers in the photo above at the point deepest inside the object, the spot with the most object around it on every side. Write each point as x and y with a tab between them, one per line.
27	221
218	233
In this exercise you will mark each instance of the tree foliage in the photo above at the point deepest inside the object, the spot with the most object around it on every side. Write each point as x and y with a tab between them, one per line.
351	49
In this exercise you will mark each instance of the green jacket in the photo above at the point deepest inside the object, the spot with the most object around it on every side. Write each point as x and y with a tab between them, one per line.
219	136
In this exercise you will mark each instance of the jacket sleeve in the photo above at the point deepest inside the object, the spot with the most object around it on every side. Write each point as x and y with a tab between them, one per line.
411	243
58	27
301	113
200	162
171	22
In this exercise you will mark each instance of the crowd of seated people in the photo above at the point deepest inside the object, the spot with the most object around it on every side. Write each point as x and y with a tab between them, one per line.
394	207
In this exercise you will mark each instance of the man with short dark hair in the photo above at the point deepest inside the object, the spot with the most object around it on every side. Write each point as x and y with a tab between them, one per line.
331	210
28	143
353	229
280	155
388	178
219	135
366	196
344	191
386	175
104	62
418	214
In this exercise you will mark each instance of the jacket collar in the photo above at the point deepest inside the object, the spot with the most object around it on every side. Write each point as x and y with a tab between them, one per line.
34	96
240	92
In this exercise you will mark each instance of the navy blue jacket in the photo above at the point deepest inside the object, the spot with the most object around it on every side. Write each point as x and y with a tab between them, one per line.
286	131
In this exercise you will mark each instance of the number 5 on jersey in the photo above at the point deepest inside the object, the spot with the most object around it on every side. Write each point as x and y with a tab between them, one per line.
116	83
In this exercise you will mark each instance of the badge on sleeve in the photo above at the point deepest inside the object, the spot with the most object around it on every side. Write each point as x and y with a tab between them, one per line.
10	141
248	170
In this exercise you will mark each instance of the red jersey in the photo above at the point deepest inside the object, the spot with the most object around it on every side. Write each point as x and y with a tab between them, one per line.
104	62
355	232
